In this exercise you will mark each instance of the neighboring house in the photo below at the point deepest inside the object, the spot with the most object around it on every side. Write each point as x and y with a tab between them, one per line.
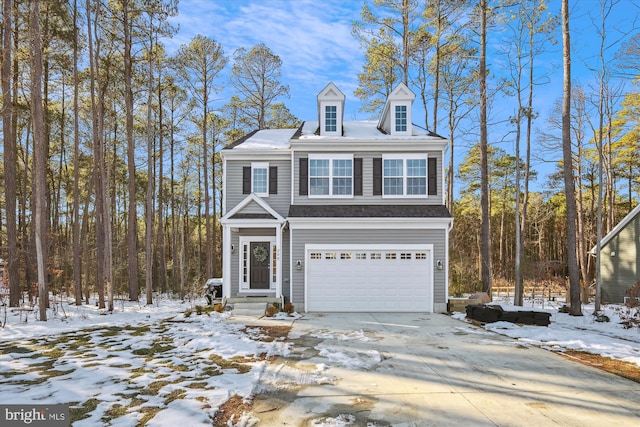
620	258
339	215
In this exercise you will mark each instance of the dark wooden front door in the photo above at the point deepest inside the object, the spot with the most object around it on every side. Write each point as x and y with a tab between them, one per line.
259	265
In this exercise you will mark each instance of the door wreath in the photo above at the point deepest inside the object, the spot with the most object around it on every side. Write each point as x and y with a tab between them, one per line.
260	253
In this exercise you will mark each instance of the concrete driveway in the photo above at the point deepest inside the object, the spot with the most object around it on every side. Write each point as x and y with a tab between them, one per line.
432	370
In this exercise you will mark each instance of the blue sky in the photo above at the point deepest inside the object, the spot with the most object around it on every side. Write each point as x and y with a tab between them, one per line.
313	39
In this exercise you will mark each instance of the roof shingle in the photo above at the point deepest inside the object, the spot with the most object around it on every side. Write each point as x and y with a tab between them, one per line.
369	211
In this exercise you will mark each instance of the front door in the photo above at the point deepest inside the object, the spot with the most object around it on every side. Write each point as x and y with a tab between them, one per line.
259	265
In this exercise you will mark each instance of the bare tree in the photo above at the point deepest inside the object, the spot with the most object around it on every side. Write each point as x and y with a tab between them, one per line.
604	110
132	217
10	156
485	239
442	17
256	76
148	223
199	63
569	186
40	158
387	40
77	258
457	78
103	217
531	30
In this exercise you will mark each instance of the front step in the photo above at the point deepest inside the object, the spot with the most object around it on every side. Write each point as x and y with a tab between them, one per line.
270	300
255	306
256	309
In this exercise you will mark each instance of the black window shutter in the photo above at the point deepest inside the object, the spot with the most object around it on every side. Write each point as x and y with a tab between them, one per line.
357	177
304	176
377	177
273	180
433	176
246	180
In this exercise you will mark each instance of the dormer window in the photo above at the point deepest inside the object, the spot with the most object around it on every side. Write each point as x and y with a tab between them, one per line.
330	110
401	118
331	118
396	113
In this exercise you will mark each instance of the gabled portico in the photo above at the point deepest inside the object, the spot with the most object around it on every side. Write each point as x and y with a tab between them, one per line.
252	236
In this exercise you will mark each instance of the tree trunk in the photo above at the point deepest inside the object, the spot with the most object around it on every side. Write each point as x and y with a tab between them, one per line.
149	196
581	239
174	227
485	252
569	185
162	255
10	158
77	257
132	227
94	55
40	160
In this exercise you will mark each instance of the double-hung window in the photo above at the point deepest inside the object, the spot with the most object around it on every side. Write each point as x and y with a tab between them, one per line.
401	118
319	177
416	177
331	118
393	177
404	176
260	179
331	175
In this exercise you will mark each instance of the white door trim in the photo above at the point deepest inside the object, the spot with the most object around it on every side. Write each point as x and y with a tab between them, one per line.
244	277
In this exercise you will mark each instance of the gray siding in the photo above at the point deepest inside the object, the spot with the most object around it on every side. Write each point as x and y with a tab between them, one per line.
284	255
235	264
367	197
253	208
435	237
233	187
620	271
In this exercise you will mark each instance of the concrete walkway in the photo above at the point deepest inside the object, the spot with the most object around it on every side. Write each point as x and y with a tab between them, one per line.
433	370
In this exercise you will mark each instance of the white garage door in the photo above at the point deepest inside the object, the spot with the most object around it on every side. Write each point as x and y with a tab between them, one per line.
391	280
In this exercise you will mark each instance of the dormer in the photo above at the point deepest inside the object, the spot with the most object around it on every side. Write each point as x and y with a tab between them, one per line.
396	115
330	110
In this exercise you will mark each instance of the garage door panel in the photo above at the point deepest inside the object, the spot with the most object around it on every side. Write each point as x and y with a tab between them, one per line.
369	280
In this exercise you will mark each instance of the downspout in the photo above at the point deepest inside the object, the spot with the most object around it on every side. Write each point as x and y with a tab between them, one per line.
279	263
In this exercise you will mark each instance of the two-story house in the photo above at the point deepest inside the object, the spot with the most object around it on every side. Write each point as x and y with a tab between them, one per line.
339	215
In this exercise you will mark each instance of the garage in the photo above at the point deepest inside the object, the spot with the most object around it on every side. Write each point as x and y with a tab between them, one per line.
369	279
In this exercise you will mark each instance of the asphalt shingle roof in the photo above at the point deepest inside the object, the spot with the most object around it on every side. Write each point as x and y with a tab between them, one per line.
369	211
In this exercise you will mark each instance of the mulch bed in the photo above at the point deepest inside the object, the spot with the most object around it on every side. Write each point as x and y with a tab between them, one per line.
630	371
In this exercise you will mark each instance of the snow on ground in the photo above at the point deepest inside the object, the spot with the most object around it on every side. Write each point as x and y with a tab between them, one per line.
582	333
140	362
154	364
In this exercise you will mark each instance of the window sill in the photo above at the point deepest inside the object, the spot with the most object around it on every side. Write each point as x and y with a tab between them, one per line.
399	196
329	197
